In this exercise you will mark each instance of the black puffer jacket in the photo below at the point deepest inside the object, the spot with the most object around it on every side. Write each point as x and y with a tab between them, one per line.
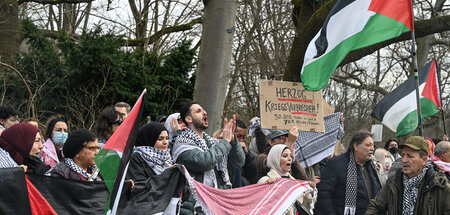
331	189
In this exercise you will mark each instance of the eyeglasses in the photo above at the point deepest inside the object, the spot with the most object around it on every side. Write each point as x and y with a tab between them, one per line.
93	148
118	122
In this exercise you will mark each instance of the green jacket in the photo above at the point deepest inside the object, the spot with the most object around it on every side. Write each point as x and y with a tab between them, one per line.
197	162
433	196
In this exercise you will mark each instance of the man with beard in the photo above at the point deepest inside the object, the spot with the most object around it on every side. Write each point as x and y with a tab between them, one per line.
207	159
349	180
420	187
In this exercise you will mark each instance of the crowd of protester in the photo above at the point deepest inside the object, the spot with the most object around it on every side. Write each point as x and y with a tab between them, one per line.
397	179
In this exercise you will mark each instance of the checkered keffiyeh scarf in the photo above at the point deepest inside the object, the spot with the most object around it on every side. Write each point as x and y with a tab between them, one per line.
156	159
263	198
189	140
410	191
73	166
351	186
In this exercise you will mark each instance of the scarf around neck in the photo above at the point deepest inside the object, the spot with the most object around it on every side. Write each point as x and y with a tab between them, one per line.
156	159
410	191
351	186
189	140
73	166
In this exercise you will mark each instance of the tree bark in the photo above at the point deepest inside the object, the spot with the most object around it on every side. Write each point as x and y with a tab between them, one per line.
213	69
10	31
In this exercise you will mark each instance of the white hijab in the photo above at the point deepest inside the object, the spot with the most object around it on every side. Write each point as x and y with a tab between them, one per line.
273	159
169	126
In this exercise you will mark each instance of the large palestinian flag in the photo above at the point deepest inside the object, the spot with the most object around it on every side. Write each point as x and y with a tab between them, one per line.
45	195
398	109
351	25
112	160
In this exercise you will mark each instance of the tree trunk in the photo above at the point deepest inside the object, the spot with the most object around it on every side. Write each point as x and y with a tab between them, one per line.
213	69
10	32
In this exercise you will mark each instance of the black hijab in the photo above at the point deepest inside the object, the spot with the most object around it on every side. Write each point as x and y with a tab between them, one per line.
148	134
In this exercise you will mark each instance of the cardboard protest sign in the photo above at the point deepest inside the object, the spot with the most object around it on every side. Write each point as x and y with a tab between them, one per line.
285	104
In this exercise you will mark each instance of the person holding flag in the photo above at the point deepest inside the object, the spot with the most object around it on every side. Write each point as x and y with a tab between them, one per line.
151	155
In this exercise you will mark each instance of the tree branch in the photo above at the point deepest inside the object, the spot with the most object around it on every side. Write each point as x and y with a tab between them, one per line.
136	42
53	2
162	32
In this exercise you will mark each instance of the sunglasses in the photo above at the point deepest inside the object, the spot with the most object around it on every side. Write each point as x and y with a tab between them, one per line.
93	148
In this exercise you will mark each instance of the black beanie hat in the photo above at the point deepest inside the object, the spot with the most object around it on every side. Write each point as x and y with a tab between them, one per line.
149	133
76	142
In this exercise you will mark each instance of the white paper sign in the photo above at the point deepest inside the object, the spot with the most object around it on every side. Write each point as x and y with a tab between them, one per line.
377	131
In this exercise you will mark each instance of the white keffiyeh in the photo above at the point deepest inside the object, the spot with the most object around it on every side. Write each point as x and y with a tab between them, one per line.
156	159
190	140
91	177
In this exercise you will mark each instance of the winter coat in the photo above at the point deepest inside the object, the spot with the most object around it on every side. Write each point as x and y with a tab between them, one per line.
197	162
61	170
138	169
433	194
331	189
50	155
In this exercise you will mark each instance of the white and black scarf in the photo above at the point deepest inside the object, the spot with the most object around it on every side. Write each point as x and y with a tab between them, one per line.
156	159
190	140
351	186
90	177
410	191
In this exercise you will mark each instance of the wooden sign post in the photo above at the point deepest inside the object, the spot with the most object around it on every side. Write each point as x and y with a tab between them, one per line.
285	104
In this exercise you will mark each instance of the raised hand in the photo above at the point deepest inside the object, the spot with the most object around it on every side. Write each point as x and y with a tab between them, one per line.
228	130
292	136
174	124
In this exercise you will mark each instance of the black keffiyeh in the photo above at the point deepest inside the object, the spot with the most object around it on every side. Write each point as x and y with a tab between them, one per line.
351	186
190	140
156	159
410	191
90	177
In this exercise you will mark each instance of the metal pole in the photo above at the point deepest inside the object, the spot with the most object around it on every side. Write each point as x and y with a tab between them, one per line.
416	77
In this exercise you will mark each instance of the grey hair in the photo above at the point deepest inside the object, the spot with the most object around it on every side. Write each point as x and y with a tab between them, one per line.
441	147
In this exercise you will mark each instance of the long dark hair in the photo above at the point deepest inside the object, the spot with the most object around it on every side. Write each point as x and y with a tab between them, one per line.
103	125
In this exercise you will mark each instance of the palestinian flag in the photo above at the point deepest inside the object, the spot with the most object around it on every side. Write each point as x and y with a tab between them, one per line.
113	158
398	109
351	25
38	194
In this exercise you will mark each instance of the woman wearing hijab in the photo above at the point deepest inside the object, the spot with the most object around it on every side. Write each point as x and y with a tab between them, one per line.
174	126
23	144
79	151
57	131
151	155
279	160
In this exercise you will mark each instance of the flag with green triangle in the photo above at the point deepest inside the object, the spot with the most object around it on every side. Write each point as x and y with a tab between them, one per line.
398	109
113	158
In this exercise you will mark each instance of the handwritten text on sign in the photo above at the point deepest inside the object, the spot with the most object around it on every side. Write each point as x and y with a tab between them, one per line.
285	104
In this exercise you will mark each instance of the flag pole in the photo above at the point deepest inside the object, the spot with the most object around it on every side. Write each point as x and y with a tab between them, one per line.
440	95
416	73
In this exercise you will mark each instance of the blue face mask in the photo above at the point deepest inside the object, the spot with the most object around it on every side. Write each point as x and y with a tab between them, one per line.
59	138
